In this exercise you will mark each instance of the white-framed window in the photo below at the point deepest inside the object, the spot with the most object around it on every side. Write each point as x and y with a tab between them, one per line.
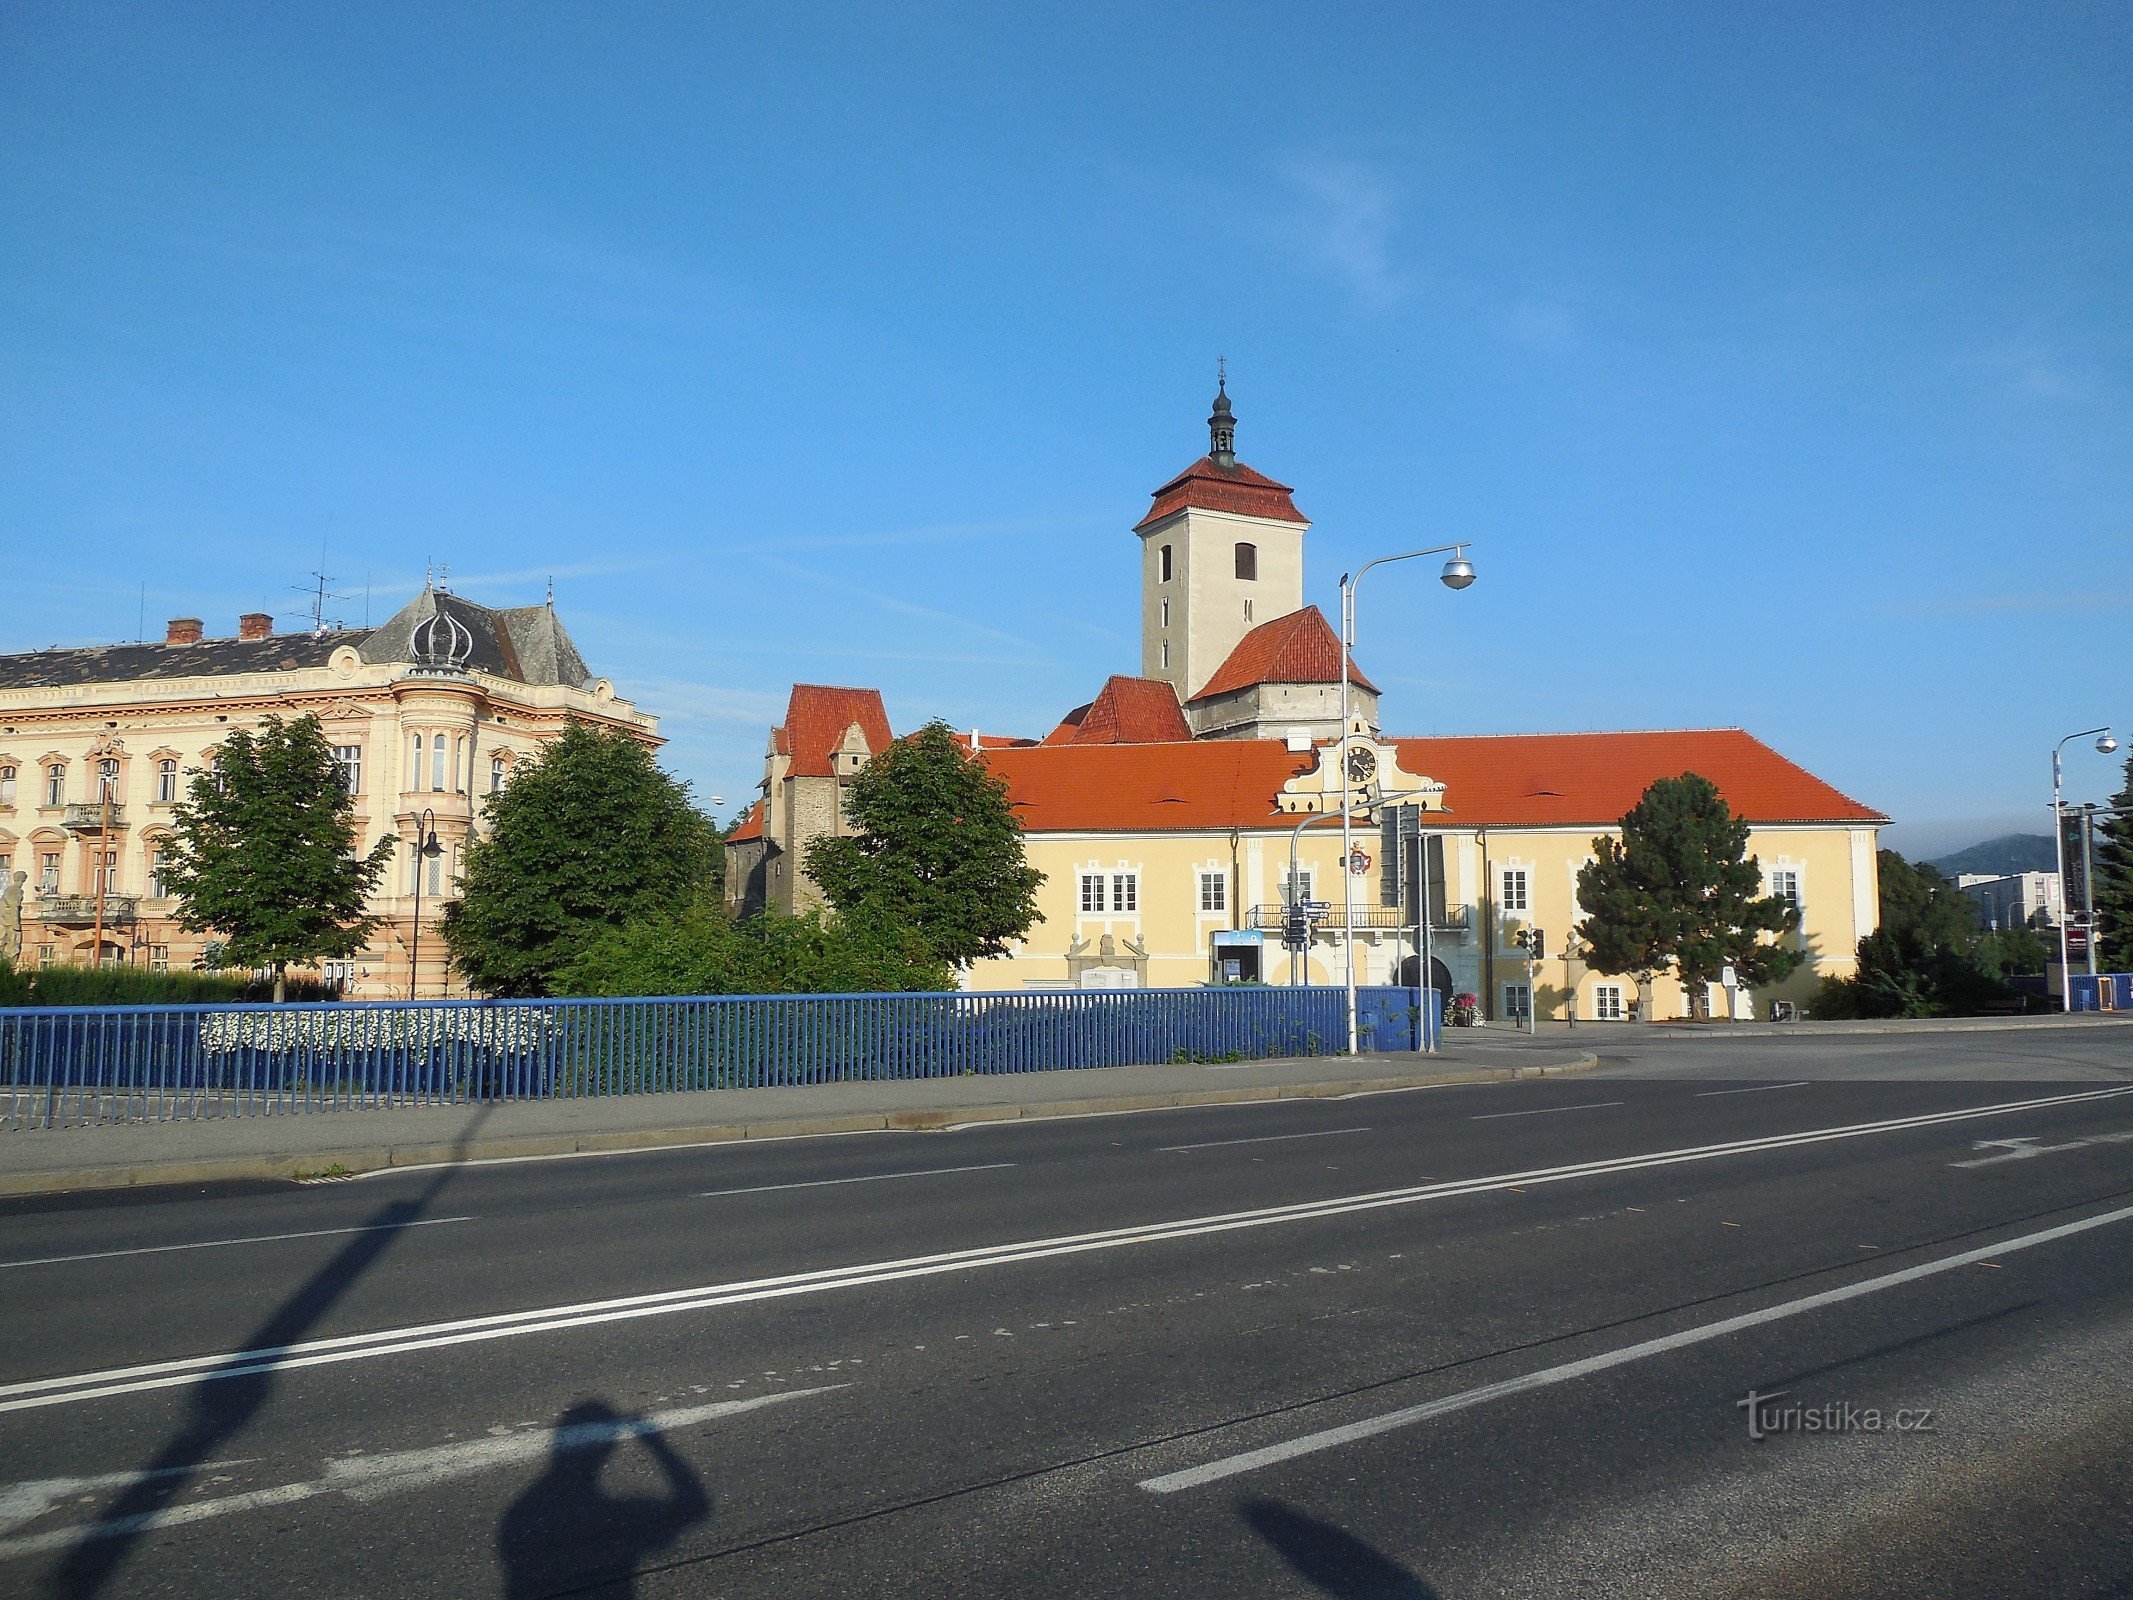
499	769
47	955
348	762
107	779
1517	1002
48	872
1295	891
166	780
1092	892
1214	891
103	871
159	958
158	889
1785	885
1607	1002
7	786
1514	897
55	784
437	759
1125	891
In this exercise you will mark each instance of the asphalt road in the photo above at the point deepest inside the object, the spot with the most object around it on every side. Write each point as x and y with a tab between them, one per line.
1475	1341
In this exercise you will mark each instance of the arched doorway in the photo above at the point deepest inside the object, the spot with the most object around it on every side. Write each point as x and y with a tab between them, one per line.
1440	976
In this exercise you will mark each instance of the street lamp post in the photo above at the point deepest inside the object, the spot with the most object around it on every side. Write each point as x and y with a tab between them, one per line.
1458	573
426	849
2105	744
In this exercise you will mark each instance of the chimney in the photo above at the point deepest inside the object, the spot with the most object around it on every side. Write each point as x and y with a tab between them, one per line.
255	625
183	630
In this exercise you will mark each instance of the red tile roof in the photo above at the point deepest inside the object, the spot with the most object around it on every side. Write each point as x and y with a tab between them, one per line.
1127	711
749	827
1206	485
1298	648
1529	780
816	719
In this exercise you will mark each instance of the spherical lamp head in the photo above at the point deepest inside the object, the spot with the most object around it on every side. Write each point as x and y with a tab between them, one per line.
1458	573
2106	744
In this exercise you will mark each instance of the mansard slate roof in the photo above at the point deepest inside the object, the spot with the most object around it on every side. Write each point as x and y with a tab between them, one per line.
1128	711
526	644
816	718
126	663
1518	780
1207	485
1298	648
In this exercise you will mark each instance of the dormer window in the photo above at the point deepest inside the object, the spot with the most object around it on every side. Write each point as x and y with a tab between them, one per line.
1247	563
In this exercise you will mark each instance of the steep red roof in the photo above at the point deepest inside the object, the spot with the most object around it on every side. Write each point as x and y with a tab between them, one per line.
1127	711
1529	780
1539	778
1298	648
1207	485
816	719
749	827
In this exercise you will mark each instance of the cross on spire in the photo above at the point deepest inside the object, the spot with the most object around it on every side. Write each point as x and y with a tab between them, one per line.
1222	425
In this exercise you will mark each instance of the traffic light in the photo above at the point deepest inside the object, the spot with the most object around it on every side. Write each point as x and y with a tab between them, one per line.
1523	938
1538	948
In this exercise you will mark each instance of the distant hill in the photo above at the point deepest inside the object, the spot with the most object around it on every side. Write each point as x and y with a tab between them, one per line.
2011	852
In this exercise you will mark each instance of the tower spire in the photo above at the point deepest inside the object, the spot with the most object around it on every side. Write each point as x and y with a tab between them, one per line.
1222	425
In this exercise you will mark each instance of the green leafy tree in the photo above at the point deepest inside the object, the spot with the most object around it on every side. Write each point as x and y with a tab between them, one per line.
263	852
938	848
1677	892
1929	957
698	949
587	836
2114	881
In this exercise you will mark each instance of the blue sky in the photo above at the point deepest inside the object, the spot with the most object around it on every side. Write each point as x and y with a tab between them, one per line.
1778	360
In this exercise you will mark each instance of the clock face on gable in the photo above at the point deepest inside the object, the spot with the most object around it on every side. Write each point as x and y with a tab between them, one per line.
1362	764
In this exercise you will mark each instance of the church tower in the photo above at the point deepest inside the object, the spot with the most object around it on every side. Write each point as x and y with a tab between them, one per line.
1221	553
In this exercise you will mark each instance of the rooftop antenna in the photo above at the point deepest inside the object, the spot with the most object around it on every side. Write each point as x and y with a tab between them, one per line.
551	589
320	593
366	598
444	574
140	621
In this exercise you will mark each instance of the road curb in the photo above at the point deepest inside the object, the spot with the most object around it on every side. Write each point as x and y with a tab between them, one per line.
357	1160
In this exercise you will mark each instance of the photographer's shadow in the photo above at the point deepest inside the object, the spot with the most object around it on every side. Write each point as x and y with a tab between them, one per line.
568	1533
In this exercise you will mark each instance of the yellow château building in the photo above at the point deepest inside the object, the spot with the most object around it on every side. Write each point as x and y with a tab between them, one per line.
425	715
1183	816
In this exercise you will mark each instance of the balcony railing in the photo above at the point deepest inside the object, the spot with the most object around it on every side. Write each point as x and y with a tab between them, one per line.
1449	919
88	816
81	908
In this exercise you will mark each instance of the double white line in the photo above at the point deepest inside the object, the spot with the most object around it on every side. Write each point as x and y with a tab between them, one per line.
550	1319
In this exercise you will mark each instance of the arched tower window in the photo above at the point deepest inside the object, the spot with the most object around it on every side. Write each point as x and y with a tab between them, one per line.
1163	564
1248	562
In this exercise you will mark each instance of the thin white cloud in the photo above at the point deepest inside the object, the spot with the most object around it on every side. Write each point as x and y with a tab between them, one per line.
1341	220
903	607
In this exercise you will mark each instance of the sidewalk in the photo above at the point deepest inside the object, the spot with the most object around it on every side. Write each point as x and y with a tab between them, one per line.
1599	1035
49	1161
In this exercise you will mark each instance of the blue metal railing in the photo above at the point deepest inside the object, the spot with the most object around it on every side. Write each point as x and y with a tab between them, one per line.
70	1066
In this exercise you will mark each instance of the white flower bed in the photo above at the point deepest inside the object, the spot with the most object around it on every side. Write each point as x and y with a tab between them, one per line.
515	1030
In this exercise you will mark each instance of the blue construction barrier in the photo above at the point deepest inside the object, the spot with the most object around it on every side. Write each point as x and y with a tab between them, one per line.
2106	991
63	1066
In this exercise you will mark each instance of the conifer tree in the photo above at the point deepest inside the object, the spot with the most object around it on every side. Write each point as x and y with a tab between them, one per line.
263	852
2114	881
937	848
1677	892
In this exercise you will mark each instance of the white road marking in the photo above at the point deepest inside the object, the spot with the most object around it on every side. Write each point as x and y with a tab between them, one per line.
109	1382
367	1478
872	1177
2023	1147
1266	1138
25	1502
218	1244
1542	1111
1548	1377
1758	1088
